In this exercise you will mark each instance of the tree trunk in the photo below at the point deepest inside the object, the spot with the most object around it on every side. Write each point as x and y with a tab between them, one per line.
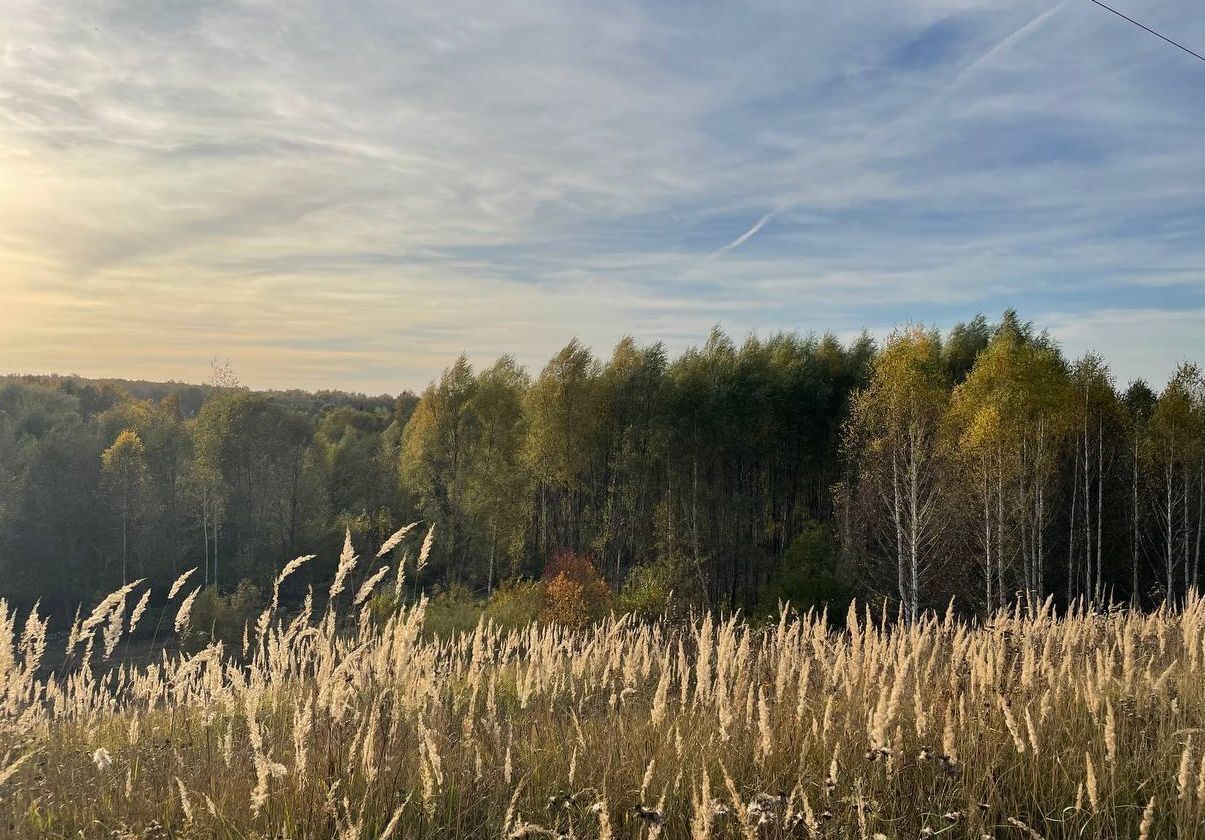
1188	581
1000	526
1100	494
205	537
899	527
489	581
987	528
215	549
125	516
1170	520
1089	587
1071	531
1134	598
1196	560
914	519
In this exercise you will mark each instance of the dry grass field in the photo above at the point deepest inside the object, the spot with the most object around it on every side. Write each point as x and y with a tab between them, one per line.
358	726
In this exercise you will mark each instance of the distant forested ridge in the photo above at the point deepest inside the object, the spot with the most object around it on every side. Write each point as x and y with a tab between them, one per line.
980	464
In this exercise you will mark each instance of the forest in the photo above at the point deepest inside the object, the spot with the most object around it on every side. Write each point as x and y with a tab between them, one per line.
979	464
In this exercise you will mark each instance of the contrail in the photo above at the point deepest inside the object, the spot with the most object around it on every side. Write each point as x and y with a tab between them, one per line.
747	235
911	116
1005	43
899	122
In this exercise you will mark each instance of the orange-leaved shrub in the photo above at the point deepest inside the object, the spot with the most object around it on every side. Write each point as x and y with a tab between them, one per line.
575	594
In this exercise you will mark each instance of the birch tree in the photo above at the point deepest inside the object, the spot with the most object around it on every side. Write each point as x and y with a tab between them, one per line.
895	433
1009	416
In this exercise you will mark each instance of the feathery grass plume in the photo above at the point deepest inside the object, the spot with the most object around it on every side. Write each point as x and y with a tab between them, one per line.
73	635
1011	723
303	725
860	807
104	609
947	737
1016	823
139	609
1185	763
9	771
368	585
427	778
347	562
395	539
113	628
1201	781
399	582
657	713
33	639
810	825
185	612
1032	730
102	759
178	583
290	567
604	820
259	794
425	552
1110	732
185	803
765	742
1090	782
1148	819
648	778
701	810
508	820
734	796
392	825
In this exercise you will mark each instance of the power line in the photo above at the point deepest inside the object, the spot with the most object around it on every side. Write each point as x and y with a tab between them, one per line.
1148	29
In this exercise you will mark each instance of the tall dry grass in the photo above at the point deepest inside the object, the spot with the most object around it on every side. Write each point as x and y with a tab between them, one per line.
1023	726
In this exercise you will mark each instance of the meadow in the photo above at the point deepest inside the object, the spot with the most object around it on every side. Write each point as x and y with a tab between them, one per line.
346	722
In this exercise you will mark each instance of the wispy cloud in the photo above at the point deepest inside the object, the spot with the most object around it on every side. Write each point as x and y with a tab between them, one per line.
352	195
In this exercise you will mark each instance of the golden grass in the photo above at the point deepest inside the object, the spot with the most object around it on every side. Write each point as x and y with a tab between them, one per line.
1023	726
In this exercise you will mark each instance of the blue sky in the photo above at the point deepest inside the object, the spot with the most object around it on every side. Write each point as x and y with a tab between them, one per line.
349	194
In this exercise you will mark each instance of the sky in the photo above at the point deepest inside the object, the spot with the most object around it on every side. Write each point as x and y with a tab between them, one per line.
350	194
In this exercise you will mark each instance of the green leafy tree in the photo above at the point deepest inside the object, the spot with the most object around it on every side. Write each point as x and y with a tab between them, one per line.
1009	417
498	485
562	450
435	459
124	463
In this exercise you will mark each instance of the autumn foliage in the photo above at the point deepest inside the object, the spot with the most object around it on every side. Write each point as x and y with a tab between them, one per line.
575	593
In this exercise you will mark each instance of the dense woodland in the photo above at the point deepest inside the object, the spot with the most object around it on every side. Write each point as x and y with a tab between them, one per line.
980	464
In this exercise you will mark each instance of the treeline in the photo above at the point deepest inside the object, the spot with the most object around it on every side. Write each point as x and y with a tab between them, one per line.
980	463
1021	474
99	486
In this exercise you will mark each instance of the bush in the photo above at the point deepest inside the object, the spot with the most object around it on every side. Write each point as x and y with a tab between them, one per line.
653	589
221	618
576	594
516	604
381	606
809	574
452	611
